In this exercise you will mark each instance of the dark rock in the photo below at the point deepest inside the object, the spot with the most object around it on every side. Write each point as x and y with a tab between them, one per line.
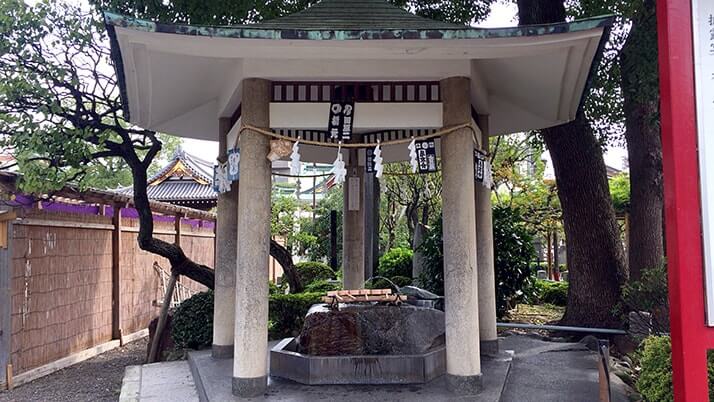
419	293
166	343
371	330
590	342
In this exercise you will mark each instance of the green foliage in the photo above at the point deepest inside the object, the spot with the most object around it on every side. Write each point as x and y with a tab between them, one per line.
402	280
519	182
407	200
655	380
287	313
310	272
620	192
322	286
393	283
655	360
60	112
319	250
274	289
222	12
286	224
549	292
432	248
513	248
648	294
396	262
192	325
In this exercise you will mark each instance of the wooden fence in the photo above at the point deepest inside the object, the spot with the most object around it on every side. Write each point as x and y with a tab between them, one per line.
74	283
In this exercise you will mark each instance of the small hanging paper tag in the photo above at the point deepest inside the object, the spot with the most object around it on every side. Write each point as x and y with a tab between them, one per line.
295	159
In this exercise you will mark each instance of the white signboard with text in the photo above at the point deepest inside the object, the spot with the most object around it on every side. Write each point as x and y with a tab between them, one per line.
703	21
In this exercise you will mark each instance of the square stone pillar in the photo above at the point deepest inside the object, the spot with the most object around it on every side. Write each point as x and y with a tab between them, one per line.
225	258
485	258
463	364
353	220
250	369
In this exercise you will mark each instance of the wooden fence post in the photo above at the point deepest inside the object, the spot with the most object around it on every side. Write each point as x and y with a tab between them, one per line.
116	275
6	218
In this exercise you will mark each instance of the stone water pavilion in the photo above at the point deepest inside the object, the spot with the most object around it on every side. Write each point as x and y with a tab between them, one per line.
409	76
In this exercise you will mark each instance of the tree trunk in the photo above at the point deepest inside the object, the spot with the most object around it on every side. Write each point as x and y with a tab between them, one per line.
596	260
180	263
285	259
638	64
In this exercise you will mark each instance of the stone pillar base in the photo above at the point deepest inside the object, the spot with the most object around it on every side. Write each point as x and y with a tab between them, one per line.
464	385
222	351
250	387
489	348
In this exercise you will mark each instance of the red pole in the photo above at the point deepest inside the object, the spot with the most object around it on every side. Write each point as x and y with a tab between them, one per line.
690	336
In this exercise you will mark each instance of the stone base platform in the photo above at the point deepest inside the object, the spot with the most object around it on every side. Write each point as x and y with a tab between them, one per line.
213	382
287	363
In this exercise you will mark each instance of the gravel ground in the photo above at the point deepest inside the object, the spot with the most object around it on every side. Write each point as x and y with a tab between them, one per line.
96	379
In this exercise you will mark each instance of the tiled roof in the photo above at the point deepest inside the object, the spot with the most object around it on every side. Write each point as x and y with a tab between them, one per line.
172	184
354	15
172	190
201	169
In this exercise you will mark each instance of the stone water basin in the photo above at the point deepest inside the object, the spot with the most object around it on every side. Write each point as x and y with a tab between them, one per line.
364	344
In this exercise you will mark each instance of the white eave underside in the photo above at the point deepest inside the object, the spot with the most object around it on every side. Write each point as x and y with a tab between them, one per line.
182	84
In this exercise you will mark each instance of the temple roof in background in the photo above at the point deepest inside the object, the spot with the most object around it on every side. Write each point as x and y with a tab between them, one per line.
186	180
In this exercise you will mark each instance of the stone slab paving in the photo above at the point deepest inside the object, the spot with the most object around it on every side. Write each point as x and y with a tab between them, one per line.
539	371
214	384
554	372
167	381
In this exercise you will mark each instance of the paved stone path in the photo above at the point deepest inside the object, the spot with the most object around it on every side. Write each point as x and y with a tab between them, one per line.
540	371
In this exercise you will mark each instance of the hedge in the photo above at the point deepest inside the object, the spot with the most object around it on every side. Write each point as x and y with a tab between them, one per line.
192	323
193	319
551	292
287	313
396	262
655	380
321	286
311	271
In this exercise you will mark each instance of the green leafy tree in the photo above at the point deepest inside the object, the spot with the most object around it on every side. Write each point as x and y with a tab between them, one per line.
60	110
221	12
286	224
627	99
596	260
620	192
513	246
320	227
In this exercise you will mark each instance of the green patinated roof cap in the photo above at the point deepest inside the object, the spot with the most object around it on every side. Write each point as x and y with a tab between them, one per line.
355	15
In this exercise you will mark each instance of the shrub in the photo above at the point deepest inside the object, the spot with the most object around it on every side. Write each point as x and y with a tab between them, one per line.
274	289
655	380
513	248
396	262
402	280
193	322
648	294
287	313
551	292
381	283
513	252
432	249
655	360
310	272
322	286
